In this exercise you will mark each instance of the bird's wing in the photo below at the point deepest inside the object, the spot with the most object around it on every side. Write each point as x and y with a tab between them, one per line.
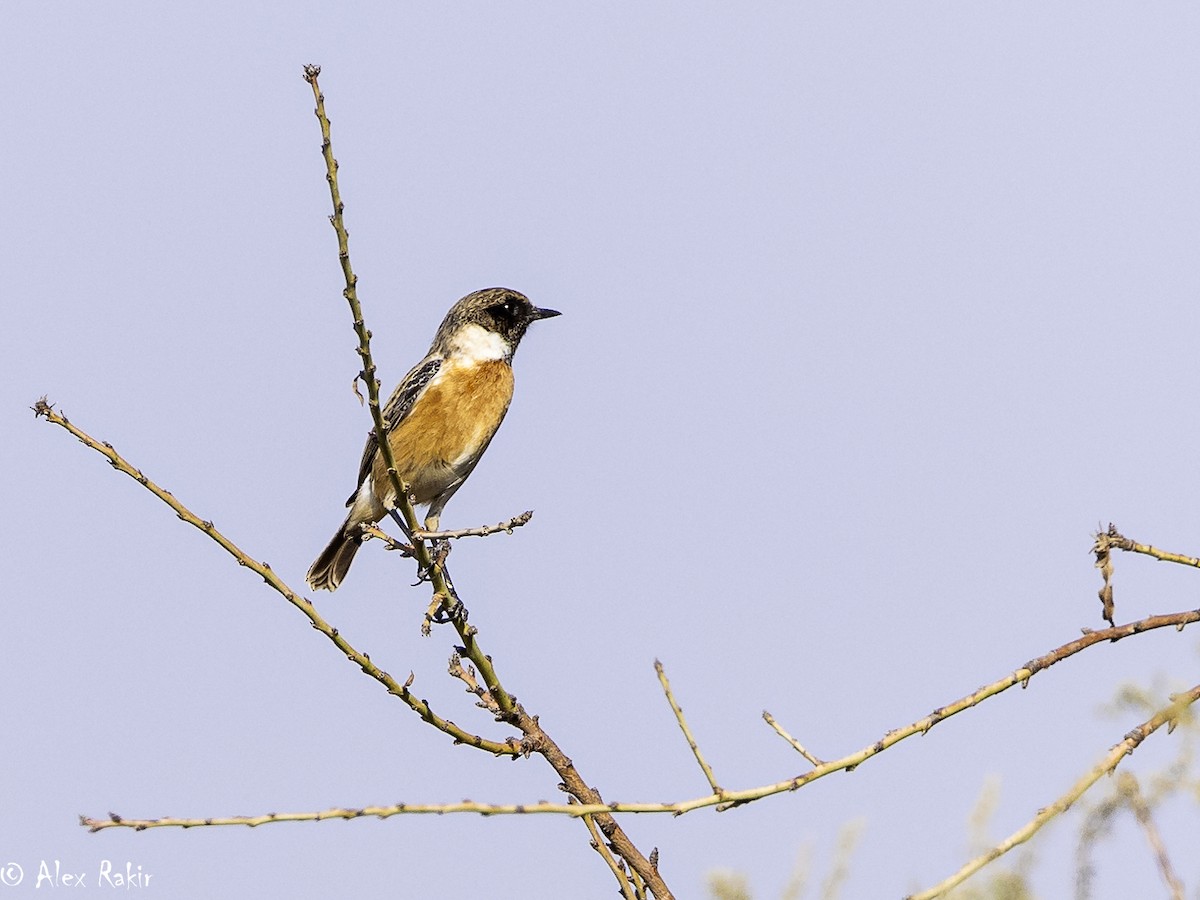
397	407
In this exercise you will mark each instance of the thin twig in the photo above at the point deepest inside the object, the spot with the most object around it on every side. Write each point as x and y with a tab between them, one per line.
374	532
796	745
466	674
687	732
442	587
1166	715
1127	785
639	885
616	867
1115	539
482	531
350	292
383	812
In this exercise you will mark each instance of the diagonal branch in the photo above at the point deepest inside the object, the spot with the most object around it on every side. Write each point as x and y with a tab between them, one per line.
509	747
796	745
1165	716
687	732
614	865
1113	538
535	738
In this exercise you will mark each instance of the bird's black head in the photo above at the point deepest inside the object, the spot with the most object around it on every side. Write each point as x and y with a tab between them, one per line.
499	311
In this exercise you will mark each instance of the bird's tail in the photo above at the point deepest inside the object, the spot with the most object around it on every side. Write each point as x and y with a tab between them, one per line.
334	562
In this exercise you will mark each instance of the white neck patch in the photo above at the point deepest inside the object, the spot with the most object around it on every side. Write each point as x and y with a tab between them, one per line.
474	344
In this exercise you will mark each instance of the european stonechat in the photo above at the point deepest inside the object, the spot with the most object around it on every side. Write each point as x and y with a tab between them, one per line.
439	419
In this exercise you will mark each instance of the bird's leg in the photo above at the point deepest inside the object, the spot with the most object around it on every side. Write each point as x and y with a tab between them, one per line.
438	549
452	610
399	520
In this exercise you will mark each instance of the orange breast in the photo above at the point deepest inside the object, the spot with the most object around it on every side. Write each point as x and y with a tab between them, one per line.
440	440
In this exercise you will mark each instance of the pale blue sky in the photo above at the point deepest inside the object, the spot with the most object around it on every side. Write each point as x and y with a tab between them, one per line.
872	313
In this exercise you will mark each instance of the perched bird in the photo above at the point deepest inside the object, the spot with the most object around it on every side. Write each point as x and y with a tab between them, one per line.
439	419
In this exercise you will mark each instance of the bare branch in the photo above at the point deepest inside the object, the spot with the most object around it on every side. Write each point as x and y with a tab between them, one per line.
482	531
687	732
617	868
264	570
1114	538
1165	716
770	719
374	532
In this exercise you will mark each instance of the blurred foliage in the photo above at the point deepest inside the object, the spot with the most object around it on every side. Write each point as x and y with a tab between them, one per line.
727	885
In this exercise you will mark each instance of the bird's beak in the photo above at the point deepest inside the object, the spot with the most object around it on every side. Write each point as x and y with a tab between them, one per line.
543	314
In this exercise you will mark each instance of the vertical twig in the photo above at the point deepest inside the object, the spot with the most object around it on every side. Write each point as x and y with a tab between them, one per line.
443	592
535	739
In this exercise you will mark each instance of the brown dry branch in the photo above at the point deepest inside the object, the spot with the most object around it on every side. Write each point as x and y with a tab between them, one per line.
1168	715
1020	676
